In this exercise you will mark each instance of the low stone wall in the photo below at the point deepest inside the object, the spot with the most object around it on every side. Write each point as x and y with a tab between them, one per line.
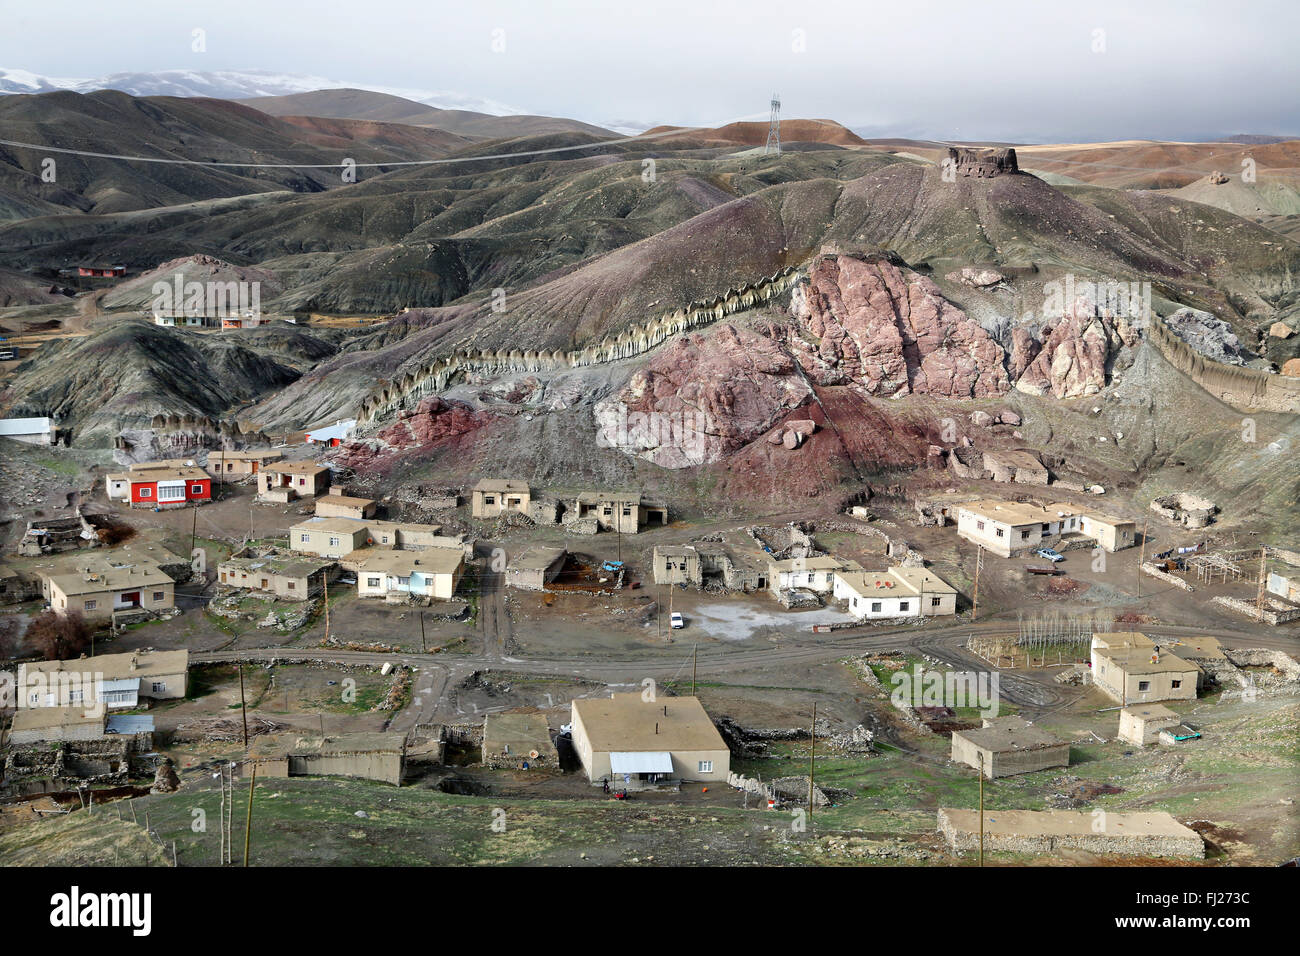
1249	609
1155	572
961	829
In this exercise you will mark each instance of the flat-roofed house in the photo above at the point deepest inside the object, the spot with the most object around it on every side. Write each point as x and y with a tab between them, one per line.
1021	467
613	510
1113	534
535	568
335	504
118	680
1140	725
287	479
367	756
895	592
241	464
811	574
677	564
492	496
514	741
100	588
329	537
332	435
290	577
1133	669
429	574
1010	527
30	431
634	743
53	724
1005	746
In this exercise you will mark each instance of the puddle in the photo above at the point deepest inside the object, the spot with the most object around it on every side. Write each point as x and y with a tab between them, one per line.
738	622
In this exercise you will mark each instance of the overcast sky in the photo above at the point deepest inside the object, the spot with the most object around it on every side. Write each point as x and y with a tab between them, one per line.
1018	70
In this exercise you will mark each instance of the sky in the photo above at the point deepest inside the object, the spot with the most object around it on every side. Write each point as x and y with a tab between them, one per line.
1007	70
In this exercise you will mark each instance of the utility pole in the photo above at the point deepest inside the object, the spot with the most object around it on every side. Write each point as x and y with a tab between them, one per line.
1142	555
423	648
975	606
695	661
194	529
221	782
1259	597
659	612
243	703
981	753
812	759
326	580
248	818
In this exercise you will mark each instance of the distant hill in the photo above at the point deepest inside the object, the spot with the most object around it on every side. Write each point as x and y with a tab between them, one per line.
384	107
755	134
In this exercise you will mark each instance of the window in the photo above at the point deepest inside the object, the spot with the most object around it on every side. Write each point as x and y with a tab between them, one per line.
875	607
146	492
304	538
196	489
334	542
158	596
159	687
979	525
1001	533
292	585
935	602
904	605
1175	684
302	481
1024	534
706	766
1144	685
626	512
383	539
811	577
489	499
75	697
35	700
372	582
91	605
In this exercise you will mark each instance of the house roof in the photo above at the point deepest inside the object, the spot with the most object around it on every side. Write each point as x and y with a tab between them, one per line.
520	732
823	562
24	426
905	581
293	565
102	577
610	497
679	550
45	718
536	559
129	724
427	561
265	454
502	484
184	473
332	523
1149	712
137	664
274	746
625	723
1138	660
339	430
346	501
1009	734
295	468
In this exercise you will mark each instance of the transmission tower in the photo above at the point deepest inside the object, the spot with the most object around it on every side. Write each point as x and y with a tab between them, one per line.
774	127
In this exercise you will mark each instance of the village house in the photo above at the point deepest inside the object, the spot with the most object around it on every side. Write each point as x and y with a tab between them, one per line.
367	756
895	592
332	435
1005	746
1141	725
622	512
289	577
116	680
1131	668
29	431
676	564
535	568
102	272
428	574
285	480
335	504
492	496
102	589
166	484
329	537
1020	467
240	464
634	743
1009	528
46	725
808	574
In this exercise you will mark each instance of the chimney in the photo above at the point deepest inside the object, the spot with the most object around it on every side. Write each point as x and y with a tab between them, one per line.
135	660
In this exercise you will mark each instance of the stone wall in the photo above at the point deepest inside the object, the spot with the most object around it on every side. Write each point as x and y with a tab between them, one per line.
1246	389
963	837
439	374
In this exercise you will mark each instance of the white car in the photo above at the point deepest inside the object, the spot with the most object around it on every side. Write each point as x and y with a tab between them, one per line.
675	620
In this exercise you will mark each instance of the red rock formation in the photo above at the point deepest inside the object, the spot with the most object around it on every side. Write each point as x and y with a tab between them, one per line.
433	424
1024	349
891	332
701	398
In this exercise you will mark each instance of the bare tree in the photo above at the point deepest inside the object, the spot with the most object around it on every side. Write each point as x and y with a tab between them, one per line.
59	637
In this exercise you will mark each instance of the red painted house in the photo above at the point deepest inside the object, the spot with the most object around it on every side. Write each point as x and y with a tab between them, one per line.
101	271
170	487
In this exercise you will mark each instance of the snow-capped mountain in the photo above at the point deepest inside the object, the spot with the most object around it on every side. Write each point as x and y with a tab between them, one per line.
237	84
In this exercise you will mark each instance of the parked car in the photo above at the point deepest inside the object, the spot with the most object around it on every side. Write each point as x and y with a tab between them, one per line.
1050	555
676	620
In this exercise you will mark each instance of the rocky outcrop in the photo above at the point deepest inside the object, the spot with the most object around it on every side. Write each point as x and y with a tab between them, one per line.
1210	336
434	423
1024	349
701	398
889	330
1074	359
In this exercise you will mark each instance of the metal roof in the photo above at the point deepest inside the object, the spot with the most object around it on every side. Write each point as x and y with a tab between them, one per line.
129	724
643	762
23	426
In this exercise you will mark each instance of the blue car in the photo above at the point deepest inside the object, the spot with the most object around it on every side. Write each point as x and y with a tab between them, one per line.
1050	555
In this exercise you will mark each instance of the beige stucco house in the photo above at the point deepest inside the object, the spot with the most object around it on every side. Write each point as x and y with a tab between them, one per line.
1005	746
431	573
492	496
101	588
115	680
633	742
895	592
1131	668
